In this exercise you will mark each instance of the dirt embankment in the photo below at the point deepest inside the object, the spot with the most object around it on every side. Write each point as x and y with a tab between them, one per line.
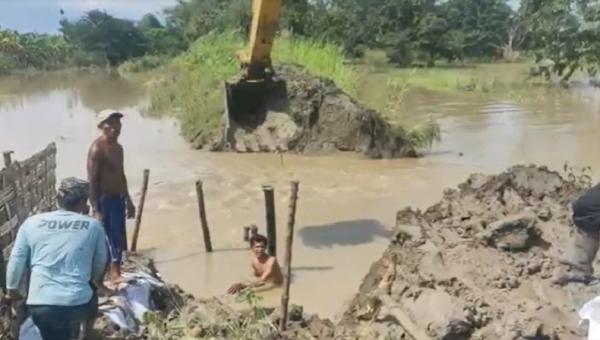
309	115
479	264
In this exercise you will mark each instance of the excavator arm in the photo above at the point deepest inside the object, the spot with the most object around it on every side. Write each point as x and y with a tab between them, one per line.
256	60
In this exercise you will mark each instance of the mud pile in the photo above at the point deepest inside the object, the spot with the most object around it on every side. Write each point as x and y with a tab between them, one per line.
480	264
307	114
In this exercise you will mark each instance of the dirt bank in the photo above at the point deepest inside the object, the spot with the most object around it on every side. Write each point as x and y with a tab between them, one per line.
478	265
308	115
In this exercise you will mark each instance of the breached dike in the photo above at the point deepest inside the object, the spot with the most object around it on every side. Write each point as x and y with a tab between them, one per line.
309	115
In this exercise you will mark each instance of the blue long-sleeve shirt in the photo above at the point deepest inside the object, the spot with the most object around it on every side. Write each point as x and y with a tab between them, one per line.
64	252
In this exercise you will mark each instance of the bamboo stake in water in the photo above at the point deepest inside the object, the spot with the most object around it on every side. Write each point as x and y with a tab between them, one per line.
203	221
287	268
138	218
270	219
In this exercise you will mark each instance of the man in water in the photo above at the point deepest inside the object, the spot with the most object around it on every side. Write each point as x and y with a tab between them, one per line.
65	253
109	195
264	267
580	256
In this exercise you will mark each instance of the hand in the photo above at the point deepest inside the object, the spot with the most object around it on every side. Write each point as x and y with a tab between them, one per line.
236	288
130	209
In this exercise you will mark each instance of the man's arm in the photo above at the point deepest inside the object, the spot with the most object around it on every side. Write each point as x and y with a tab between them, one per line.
19	258
100	258
93	170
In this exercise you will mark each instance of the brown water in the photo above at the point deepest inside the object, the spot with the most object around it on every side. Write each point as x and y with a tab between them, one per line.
347	205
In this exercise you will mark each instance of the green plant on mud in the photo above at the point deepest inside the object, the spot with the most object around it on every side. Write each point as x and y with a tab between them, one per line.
422	133
193	322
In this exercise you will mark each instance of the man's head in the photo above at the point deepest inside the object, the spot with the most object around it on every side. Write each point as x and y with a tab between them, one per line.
258	243
73	195
109	121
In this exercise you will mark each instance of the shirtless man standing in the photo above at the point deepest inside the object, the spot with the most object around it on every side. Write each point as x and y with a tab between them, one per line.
265	268
109	195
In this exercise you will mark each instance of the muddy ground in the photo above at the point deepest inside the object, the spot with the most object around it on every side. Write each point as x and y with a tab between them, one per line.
310	115
479	264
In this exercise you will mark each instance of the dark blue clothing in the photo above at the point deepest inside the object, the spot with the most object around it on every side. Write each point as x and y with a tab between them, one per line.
586	210
113	210
61	322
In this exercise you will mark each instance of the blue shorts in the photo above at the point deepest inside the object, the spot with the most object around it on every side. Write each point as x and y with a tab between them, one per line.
113	210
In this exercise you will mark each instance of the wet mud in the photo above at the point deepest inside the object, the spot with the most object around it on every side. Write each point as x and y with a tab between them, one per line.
480	264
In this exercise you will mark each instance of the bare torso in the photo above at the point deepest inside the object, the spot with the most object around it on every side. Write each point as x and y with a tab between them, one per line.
108	158
260	267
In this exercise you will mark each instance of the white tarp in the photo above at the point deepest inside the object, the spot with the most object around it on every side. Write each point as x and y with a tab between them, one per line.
591	312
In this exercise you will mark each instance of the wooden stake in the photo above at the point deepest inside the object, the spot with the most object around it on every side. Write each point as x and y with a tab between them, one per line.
247	234
287	268
138	218
203	221
7	158
270	218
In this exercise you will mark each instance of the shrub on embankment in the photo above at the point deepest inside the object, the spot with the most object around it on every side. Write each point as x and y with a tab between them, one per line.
192	85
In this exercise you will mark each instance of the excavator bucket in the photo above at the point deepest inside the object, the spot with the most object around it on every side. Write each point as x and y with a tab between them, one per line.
248	102
249	97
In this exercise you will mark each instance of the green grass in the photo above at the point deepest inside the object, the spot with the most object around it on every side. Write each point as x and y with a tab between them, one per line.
481	78
319	58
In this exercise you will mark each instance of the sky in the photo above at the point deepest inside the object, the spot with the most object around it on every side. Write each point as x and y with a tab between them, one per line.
43	15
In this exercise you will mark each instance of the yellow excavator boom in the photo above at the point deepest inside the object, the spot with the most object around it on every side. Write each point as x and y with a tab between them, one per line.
265	22
249	96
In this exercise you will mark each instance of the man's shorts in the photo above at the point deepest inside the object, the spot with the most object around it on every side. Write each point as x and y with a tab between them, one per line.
113	210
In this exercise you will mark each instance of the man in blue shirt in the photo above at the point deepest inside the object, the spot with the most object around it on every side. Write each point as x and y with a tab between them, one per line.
66	255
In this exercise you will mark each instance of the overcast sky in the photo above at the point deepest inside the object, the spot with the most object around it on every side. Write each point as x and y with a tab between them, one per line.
43	15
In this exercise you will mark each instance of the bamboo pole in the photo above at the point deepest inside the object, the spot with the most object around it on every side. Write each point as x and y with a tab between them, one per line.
270	219
138	218
287	269
203	221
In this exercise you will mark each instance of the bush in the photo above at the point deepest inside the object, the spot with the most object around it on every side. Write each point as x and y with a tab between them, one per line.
7	63
143	64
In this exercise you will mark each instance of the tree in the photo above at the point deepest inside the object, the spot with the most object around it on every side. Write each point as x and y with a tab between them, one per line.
484	24
99	33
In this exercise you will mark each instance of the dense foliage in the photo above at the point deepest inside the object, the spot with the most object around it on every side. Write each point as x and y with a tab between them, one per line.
562	33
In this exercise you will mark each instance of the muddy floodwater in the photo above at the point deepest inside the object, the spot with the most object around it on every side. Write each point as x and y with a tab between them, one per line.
347	205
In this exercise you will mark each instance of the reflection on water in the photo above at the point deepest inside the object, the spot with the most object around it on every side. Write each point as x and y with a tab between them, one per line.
346	206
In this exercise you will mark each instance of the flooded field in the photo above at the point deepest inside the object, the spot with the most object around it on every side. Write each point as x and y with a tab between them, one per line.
347	205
